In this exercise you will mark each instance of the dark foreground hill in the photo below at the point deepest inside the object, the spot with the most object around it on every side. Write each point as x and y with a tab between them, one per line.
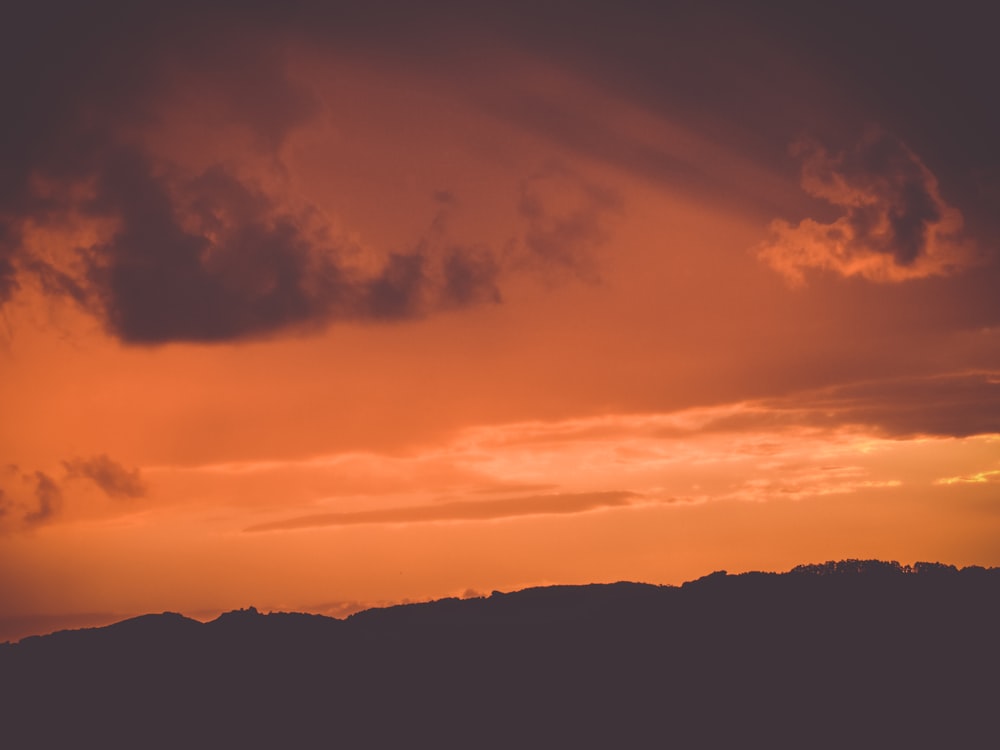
846	655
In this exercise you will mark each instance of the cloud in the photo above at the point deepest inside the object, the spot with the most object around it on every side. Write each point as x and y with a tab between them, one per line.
988	476
895	225
461	510
8	271
799	483
49	498
566	219
32	499
952	405
959	404
212	257
182	252
114	479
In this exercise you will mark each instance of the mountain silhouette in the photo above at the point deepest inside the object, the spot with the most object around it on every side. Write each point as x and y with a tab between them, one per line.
858	654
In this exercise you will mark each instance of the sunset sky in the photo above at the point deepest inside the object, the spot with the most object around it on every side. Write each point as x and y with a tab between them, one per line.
347	304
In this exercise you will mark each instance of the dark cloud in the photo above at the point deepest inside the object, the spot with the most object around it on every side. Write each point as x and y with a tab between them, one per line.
213	258
7	503
158	280
461	510
958	405
81	79
895	224
49	499
952	405
202	257
114	479
8	272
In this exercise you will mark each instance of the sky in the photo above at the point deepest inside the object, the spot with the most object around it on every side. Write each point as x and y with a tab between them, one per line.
339	305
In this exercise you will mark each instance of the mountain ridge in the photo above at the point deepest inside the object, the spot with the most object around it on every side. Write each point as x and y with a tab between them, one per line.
845	567
848	653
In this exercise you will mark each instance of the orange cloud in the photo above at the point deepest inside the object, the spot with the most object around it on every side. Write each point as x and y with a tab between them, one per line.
895	225
462	510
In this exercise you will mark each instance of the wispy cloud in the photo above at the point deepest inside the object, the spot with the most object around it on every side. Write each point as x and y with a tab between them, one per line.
113	478
461	510
989	476
48	496
566	219
41	497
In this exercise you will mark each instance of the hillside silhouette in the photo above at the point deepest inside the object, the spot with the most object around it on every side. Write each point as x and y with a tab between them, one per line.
859	654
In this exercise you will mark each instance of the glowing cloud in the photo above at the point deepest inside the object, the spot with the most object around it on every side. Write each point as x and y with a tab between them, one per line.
895	226
990	476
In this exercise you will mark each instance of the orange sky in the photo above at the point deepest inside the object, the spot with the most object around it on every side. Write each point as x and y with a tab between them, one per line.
320	311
